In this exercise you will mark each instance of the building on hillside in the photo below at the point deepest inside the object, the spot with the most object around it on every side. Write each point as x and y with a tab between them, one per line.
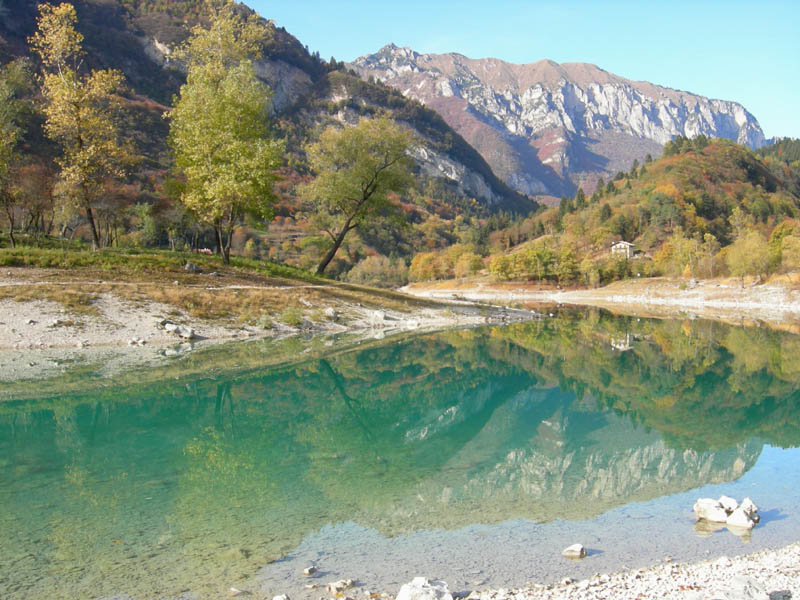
622	249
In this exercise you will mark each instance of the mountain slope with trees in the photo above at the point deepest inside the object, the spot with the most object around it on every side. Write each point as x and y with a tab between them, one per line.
142	203
706	208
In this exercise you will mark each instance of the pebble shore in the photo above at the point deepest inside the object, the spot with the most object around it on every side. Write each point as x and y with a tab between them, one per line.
776	571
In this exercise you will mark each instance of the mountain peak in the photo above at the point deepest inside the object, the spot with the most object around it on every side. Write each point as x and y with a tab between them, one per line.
547	128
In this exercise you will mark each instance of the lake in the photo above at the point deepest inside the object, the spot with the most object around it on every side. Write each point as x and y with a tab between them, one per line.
471	455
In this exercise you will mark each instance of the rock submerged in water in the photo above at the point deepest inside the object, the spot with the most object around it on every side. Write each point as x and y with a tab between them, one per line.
421	588
574	551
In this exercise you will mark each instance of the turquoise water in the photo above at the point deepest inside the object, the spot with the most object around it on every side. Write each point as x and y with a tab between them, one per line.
475	455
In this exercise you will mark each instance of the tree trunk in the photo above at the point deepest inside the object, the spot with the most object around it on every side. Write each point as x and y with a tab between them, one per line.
10	215
336	244
95	236
224	249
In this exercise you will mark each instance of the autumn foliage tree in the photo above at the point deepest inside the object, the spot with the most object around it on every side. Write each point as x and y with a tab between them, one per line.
219	128
12	82
358	168
79	110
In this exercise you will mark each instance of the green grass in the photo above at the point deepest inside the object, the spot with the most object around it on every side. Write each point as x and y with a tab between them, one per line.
126	261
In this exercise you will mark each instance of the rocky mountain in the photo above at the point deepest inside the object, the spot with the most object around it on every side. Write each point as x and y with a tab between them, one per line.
136	36
546	128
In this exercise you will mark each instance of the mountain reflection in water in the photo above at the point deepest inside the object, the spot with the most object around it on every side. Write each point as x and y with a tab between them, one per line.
196	480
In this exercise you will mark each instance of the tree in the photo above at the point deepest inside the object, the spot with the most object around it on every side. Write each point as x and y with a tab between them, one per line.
12	81
219	128
710	248
357	169
748	255
79	111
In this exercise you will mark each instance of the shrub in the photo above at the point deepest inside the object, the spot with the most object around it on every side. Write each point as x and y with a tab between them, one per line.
379	271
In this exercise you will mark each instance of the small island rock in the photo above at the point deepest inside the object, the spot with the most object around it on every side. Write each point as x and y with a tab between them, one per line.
739	518
710	510
728	503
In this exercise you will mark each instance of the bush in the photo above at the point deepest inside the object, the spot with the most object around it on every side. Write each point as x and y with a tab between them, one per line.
467	264
379	271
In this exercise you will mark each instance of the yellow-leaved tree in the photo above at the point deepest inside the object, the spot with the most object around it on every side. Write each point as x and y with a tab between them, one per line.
357	169
219	127
12	82
80	110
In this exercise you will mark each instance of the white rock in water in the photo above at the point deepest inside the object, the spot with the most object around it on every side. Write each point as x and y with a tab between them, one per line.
741	588
574	551
421	588
739	518
728	503
330	313
337	586
281	597
308	571
710	510
750	508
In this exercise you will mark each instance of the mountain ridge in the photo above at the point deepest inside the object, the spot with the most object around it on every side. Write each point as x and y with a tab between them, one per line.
547	128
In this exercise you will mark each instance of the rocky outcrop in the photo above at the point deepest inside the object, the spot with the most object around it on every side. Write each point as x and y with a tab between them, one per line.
544	126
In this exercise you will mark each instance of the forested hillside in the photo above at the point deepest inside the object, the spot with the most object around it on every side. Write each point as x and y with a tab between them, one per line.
706	208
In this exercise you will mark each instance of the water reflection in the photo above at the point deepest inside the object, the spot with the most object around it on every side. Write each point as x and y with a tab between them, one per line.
194	482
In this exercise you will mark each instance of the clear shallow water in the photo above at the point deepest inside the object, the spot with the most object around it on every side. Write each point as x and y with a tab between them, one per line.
470	455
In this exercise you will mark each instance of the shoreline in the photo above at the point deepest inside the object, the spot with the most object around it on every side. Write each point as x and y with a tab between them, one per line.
772	574
43	335
776	302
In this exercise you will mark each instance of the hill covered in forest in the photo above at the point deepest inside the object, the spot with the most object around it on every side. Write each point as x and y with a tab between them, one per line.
706	208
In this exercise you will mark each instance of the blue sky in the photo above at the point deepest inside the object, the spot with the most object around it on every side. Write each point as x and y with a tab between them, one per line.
748	52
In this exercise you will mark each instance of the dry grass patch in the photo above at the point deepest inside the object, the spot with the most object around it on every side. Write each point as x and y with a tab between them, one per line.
71	298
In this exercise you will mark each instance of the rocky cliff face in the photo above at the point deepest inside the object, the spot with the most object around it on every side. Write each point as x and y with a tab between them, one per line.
546	127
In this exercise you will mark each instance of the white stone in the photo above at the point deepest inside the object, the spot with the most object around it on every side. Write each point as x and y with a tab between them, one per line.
337	586
574	551
728	503
281	597
330	313
739	518
308	571
741	588
750	508
421	588
710	510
